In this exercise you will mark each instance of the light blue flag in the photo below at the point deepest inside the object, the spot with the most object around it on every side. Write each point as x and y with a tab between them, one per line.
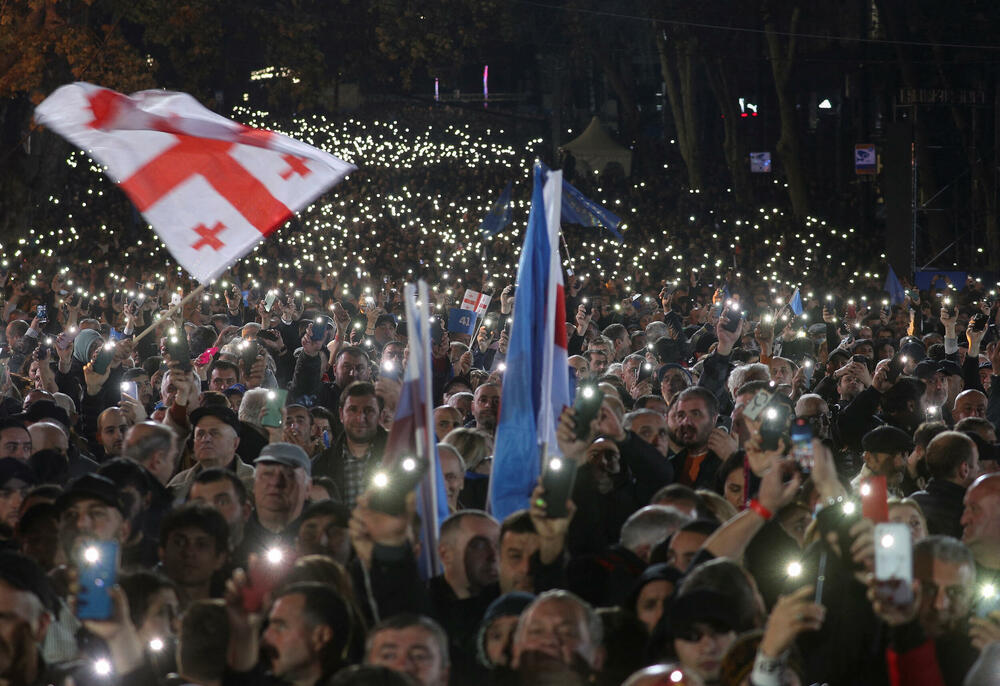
577	209
796	303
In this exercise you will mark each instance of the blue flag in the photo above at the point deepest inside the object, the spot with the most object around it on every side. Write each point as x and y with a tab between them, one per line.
796	303
536	385
461	321
894	288
577	209
500	215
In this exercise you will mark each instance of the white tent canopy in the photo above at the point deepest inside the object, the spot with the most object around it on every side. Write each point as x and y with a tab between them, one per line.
595	149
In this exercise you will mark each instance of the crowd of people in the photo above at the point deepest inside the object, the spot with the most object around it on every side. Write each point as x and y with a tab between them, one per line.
189	494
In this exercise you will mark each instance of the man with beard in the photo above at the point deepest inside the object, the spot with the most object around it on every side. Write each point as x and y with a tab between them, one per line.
885	452
16	477
351	365
932	635
694	416
935	387
24	621
111	428
359	447
486	407
981	526
672	379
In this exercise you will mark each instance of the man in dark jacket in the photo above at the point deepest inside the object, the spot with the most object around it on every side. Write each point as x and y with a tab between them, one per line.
350	459
308	387
694	415
953	461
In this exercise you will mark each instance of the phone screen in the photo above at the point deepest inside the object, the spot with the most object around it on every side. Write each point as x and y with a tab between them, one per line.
802	450
894	564
97	565
275	401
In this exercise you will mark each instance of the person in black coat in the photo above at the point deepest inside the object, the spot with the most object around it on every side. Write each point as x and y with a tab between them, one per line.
953	461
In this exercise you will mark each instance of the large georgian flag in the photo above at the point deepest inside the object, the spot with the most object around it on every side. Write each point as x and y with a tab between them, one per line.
212	188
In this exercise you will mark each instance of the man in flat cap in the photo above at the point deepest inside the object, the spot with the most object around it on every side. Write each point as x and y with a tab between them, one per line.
885	451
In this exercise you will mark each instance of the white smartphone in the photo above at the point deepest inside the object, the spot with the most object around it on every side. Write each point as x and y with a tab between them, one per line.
894	564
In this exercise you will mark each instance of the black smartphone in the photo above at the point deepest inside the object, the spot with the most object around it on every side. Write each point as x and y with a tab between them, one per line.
44	348
248	354
177	348
104	357
390	486
557	480
979	322
319	326
774	424
894	369
734	317
588	403
645	371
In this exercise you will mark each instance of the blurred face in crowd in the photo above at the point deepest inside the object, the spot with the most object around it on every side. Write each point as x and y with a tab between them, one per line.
649	604
734	488
454	476
781	371
597	363
970	403
694	423
445	419
223	378
413	650
936	391
469	554
849	386
486	407
673	382
12	494
652	428
946	591
215	442
189	556
323	534
111	429
291	641
221	495
298	419
499	638
889	465
516	550
981	517
902	513
90	519
280	491
556	627
162	614
683	548
359	415
701	649
15	442
23	624
350	368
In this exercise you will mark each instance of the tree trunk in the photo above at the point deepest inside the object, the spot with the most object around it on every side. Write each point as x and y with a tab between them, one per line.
733	144
782	54
678	76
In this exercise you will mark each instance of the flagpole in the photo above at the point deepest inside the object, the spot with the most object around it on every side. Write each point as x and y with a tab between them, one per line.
169	313
480	321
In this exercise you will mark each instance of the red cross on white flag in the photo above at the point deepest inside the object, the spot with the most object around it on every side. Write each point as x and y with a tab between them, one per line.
476	301
211	187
